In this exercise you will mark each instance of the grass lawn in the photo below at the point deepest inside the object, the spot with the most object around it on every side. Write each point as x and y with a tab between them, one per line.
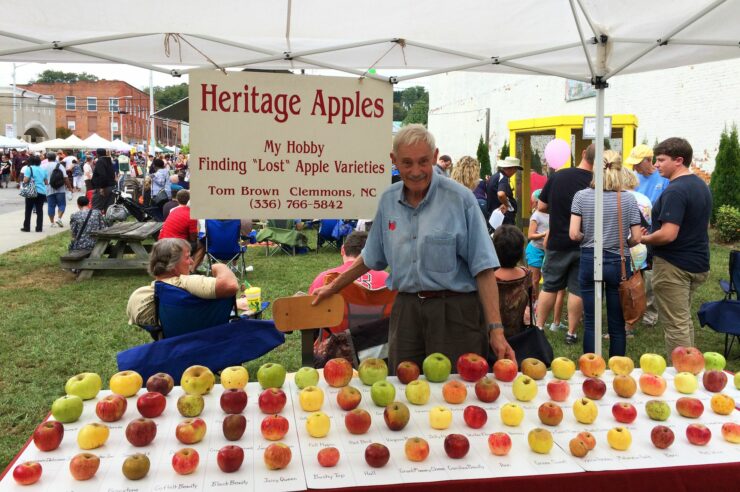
54	327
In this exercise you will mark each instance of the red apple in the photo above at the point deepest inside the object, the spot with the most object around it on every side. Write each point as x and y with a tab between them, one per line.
338	372
687	359
558	390
272	401
475	416
48	436
698	434
407	371
594	388
625	413
27	473
456	446
377	455
111	408
328	457
233	400
471	367
499	443
416	449
550	413
185	461
160	383
151	404
487	390
662	436
84	466
689	407
505	370
357	421
348	398
140	432
277	456
191	431
588	439
714	380
234	426
274	427
230	458
731	432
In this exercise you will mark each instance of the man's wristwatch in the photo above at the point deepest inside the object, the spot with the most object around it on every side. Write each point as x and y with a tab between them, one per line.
495	326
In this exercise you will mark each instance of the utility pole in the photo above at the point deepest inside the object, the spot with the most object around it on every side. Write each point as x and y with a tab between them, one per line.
151	110
488	129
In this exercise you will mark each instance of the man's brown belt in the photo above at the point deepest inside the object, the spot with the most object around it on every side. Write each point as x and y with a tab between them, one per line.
436	294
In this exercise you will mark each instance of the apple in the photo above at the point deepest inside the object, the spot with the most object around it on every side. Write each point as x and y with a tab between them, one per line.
185	461
475	417
619	438
440	417
416	449
687	359
136	466
588	438
191	431
84	466
731	432
234	426
372	370
499	443
456	446
407	371
621	365
418	392
722	404
141	432
737	380
594	388
652	364
698	434
197	380
558	390
688	407
311	398
396	416
550	413
662	436
111	408
126	383
92	436
67	409
563	368
160	382
714	361
48	435
577	447
377	455
27	473
190	405
437	367
487	390
652	384
511	414
714	380
274	427
585	411
657	410
348	398
230	458
151	404
357	421
505	370
271	375
85	385
273	400
277	456
471	367
233	401
624	385
306	376
338	372
236	377
328	457
382	393
591	365
540	440
534	368
524	388
454	392
318	424
686	382
624	413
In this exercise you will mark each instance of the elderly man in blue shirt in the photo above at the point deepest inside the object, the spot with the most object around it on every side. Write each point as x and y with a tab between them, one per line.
431	233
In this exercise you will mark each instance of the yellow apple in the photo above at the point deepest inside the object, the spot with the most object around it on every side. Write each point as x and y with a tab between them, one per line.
197	380
621	365
234	377
85	385
311	398
92	436
511	414
440	417
563	368
619	438
722	404
318	424
685	383
540	440
585	411
126	383
524	388
652	364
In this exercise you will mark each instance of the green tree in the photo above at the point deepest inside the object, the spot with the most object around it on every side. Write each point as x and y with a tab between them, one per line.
505	150
165	96
63	132
726	175
536	164
483	158
411	105
419	113
54	76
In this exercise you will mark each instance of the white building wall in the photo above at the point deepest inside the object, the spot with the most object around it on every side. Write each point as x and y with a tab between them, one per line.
694	102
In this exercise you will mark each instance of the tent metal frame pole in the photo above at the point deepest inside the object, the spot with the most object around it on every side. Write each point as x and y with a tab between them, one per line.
598	170
590	21
55	45
465	66
689	42
583	40
543	51
545	72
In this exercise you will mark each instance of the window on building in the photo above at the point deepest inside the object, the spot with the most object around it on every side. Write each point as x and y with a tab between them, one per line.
71	124
71	103
92	103
113	104
114	126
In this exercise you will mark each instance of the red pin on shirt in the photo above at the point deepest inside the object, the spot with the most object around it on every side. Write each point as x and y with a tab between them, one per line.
392	225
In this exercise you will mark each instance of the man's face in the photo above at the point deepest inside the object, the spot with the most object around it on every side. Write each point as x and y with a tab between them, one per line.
444	164
667	166
415	165
645	166
183	266
508	171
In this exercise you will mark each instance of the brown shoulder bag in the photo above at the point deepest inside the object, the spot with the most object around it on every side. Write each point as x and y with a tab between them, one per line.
631	290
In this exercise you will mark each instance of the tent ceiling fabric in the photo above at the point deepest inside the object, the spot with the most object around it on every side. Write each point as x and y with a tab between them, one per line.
438	36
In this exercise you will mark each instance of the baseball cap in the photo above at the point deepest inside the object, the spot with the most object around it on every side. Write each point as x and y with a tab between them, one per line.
638	154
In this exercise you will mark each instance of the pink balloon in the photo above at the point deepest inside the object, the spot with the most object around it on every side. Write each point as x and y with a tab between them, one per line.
557	153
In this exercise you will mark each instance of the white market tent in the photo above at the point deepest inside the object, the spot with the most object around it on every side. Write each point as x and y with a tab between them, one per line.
74	142
120	146
12	143
54	144
95	141
586	40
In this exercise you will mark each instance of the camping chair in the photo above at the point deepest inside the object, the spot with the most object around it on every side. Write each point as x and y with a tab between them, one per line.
279	236
223	245
325	235
724	316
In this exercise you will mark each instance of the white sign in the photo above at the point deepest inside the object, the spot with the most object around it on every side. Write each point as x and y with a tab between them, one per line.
589	127
284	146
9	130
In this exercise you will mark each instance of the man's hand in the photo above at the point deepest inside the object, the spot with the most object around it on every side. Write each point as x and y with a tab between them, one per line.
503	208
323	292
500	346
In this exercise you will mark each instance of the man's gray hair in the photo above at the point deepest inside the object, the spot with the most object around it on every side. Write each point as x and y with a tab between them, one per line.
412	134
51	156
165	255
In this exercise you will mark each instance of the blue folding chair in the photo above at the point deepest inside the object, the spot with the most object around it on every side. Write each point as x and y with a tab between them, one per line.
223	245
180	312
724	316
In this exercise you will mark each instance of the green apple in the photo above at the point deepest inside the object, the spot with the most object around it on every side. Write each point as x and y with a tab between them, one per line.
418	392
372	370
306	376
437	367
714	361
737	380
658	410
271	375
85	385
652	364
67	408
382	393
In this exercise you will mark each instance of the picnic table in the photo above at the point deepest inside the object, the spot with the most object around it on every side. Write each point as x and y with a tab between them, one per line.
111	244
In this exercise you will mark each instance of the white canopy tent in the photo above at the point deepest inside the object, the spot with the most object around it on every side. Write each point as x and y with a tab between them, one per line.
50	145
120	146
95	141
74	142
586	40
12	143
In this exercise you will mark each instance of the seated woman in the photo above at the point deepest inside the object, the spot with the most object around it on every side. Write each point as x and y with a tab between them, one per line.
514	282
82	223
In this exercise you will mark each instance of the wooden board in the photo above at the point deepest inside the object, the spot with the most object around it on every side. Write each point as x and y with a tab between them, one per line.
297	313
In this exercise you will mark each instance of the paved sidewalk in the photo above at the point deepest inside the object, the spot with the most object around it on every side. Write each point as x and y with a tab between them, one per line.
11	236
